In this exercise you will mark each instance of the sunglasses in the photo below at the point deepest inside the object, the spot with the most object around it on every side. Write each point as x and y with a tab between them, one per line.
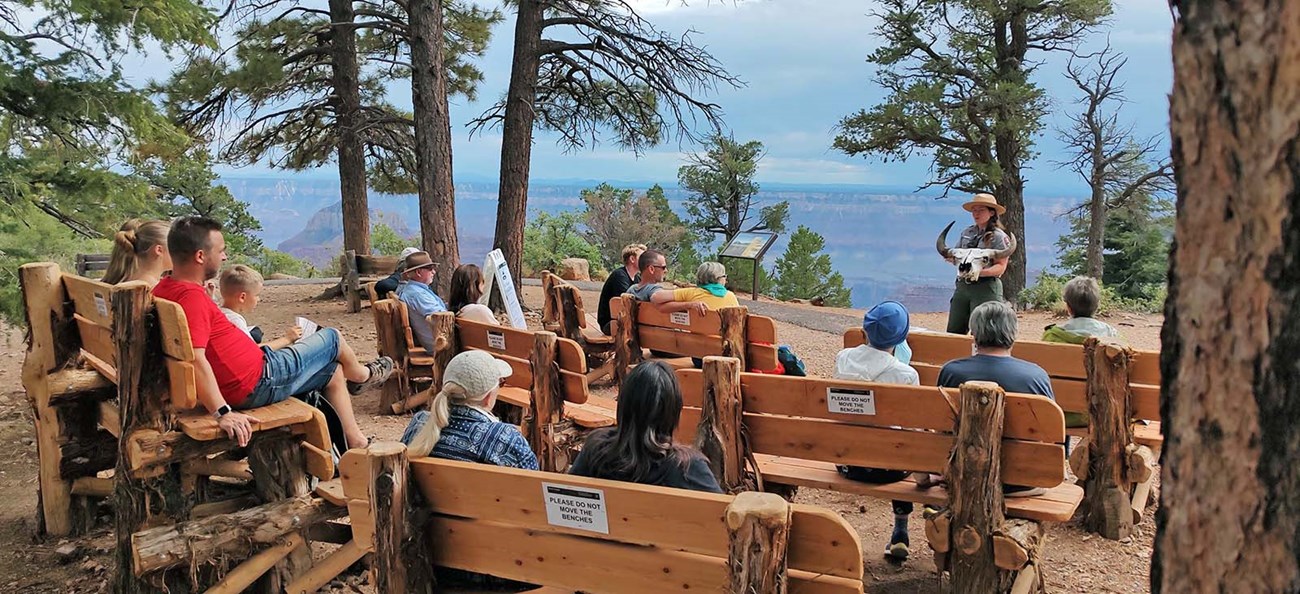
652	266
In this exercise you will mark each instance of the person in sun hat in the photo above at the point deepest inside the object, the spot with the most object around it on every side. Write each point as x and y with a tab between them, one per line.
886	326
459	424
986	232
389	283
420	300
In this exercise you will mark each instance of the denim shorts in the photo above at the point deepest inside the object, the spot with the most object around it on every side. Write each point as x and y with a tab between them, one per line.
297	369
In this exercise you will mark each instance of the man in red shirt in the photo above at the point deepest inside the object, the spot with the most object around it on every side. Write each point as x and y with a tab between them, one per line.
233	372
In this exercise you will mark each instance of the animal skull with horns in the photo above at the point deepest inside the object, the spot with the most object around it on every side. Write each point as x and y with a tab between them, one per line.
970	261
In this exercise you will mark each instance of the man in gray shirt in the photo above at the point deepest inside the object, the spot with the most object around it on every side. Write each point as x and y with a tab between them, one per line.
653	269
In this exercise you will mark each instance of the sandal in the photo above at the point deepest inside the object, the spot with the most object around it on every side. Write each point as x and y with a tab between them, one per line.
380	370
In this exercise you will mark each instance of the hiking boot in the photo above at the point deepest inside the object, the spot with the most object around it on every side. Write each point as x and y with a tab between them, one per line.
380	369
898	546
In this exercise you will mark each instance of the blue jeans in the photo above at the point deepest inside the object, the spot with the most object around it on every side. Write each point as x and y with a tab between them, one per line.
297	369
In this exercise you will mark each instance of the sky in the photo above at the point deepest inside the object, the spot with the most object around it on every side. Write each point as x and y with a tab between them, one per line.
804	65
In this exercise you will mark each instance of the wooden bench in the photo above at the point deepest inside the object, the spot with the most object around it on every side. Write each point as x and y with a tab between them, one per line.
96	263
1107	379
549	383
358	269
562	313
628	538
393	338
134	411
730	332
799	429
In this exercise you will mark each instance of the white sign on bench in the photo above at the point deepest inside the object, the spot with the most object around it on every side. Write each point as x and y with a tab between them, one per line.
576	507
851	402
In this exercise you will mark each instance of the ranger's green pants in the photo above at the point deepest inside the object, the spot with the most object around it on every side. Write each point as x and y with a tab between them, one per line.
966	297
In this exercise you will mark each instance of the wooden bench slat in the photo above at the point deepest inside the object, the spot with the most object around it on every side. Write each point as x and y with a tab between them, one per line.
518	343
376	265
181	384
97	339
637	513
92	299
1148	435
591	565
1023	463
679	342
331	491
761	356
1028	417
200	425
710	322
175	330
760	329
1057	505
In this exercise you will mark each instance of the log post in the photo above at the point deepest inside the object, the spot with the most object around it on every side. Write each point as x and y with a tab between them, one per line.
1017	543
351	281
733	334
568	322
718	434
48	324
144	407
390	338
403	560
627	345
1107	509
975	488
279	470
758	530
448	342
1142	467
550	314
546	407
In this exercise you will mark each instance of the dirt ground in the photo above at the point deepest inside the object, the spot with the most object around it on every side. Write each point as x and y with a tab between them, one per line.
1076	560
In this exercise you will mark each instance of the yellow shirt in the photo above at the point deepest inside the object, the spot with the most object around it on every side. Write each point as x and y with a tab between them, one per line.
698	294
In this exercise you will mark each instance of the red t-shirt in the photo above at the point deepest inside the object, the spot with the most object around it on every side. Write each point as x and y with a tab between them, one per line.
235	359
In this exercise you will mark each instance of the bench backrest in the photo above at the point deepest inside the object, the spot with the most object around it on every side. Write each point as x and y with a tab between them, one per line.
910	428
87	263
654	539
92	306
694	335
367	265
1063	363
514	346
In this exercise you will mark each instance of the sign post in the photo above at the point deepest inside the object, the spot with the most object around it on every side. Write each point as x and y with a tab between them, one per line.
750	245
498	274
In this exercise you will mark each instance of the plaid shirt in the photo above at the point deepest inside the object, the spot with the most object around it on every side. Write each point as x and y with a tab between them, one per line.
473	435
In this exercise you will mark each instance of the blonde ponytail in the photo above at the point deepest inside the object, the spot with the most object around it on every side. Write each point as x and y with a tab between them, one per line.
135	238
439	416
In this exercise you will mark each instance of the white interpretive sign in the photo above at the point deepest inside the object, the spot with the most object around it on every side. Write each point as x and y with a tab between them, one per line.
498	275
576	507
681	318
496	340
850	402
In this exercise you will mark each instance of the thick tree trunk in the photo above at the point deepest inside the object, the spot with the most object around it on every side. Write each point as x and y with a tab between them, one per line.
1011	44
517	136
1229	519
1096	210
351	153
433	139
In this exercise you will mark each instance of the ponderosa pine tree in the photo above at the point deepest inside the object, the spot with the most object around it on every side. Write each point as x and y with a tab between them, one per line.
804	272
957	74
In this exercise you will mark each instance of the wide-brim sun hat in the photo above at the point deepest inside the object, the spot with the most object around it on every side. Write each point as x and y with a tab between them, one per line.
477	372
417	260
985	200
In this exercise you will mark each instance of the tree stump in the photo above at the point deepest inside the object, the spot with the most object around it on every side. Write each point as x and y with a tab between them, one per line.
546	407
550	313
403	560
1107	508
718	434
975	488
279	471
734	334
758	527
627	346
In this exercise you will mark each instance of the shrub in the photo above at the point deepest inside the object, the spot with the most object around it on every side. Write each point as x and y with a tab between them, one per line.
551	238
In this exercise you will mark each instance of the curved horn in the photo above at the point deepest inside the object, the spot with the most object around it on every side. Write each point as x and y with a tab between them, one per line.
941	243
1011	248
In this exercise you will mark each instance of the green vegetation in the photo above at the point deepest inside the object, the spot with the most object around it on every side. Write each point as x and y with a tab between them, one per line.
551	238
804	272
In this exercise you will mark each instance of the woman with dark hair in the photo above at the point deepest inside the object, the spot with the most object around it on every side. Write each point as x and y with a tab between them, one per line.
465	291
986	232
640	448
139	253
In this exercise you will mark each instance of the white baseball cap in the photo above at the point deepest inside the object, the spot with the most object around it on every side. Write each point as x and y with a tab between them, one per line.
478	372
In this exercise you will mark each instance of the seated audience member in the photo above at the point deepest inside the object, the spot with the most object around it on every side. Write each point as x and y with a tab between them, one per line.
139	253
466	290
617	283
993	325
1081	295
389	284
710	294
459	424
640	448
420	300
231	371
653	267
886	327
240	287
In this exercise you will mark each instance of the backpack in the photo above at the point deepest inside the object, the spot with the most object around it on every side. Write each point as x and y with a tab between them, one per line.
791	362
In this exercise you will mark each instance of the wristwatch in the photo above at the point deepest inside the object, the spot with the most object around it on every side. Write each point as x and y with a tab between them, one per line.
223	411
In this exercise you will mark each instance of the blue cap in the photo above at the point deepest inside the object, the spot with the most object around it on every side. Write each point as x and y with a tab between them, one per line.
886	324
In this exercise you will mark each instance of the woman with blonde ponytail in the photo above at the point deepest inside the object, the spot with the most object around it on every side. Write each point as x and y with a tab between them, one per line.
459	424
139	253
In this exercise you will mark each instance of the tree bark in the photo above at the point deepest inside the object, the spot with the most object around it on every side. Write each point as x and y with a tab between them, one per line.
403	561
1011	45
758	527
1106	506
718	435
433	140
546	407
975	488
1097	208
1229	519
351	152
517	136
279	472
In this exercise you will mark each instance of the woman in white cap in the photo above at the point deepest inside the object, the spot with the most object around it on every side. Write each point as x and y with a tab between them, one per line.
459	424
986	233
